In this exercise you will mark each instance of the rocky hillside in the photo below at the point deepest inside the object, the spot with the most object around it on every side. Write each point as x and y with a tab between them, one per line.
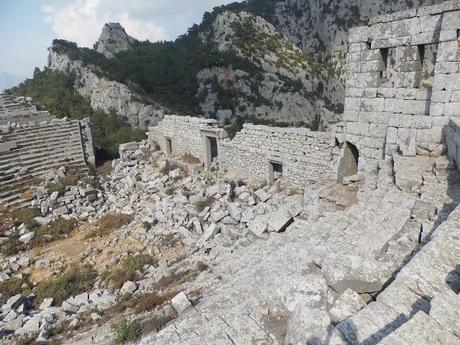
275	61
234	64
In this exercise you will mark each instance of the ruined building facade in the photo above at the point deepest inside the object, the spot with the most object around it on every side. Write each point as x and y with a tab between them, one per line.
402	100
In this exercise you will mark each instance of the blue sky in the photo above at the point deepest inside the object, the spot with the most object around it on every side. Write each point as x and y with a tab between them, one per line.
29	26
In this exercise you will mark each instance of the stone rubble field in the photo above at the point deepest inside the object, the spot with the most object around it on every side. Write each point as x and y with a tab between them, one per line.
237	263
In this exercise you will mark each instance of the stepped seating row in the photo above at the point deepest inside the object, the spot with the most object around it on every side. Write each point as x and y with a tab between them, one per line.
38	149
421	305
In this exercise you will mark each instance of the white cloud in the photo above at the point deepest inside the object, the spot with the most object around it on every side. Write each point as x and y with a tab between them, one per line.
81	21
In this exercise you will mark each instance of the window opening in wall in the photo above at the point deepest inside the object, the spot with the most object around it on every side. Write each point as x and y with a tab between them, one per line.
369	45
421	53
276	171
169	146
349	163
384	52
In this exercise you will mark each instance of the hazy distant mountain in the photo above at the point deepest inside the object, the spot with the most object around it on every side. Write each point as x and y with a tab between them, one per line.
8	80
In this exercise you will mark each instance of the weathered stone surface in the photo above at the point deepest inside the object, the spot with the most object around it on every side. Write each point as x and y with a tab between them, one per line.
181	303
360	274
348	303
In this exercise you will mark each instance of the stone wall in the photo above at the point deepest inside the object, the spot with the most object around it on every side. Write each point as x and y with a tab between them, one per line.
186	135
306	157
402	84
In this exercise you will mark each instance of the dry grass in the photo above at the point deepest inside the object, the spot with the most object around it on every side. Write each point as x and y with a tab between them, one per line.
12	287
190	159
61	185
70	283
105	169
129	269
201	205
150	301
109	223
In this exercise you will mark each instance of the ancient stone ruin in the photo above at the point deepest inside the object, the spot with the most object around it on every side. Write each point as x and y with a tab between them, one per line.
391	259
32	143
348	236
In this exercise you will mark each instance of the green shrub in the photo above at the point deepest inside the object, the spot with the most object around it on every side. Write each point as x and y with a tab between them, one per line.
11	287
61	185
126	331
26	216
54	231
129	268
72	282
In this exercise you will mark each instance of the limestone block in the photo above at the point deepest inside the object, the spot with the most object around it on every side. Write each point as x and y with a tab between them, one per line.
348	303
451	20
358	34
277	221
360	274
447	51
437	109
452	109
447	35
455	97
307	325
180	303
392	135
441	96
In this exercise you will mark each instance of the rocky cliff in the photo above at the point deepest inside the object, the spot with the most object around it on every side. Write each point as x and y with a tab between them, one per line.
107	95
288	86
113	40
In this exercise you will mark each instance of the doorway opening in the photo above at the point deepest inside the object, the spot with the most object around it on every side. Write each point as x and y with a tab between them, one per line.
169	149
212	150
349	164
275	171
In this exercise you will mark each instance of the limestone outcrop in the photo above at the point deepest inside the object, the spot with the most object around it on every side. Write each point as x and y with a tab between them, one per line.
105	94
113	39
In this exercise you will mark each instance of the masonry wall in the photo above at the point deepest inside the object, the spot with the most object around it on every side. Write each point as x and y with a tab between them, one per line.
307	157
185	133
403	84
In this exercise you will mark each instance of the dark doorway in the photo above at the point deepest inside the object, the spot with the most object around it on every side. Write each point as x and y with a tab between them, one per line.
211	150
349	164
275	171
169	146
213	145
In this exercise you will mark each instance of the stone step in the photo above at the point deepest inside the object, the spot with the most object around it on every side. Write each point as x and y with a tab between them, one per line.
51	126
445	309
40	138
74	151
52	163
421	330
421	280
26	152
371	324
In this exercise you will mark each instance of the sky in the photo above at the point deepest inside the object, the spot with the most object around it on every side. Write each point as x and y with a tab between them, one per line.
28	27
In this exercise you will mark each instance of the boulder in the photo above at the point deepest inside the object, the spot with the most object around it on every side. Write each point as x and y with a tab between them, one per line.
210	232
128	288
279	220
348	303
180	303
262	195
258	225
